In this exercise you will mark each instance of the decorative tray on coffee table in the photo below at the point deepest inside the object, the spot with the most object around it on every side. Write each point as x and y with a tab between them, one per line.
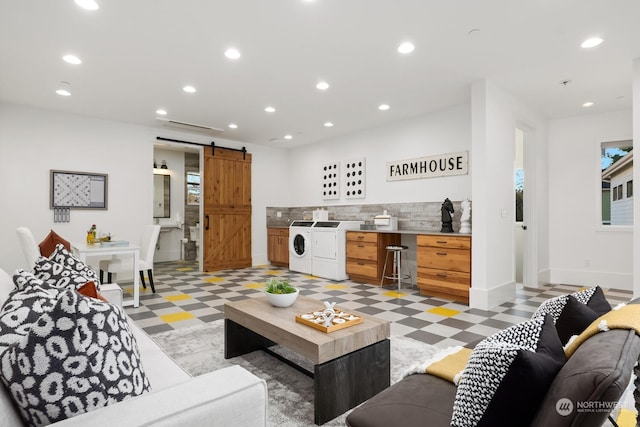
316	320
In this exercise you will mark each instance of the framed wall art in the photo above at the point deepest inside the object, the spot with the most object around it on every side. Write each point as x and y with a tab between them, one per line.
78	190
331	181
355	179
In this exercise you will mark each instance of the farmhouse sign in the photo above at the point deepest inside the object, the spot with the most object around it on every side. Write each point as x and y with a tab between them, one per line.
429	167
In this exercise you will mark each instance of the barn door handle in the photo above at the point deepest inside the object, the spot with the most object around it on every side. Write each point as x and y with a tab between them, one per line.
206	227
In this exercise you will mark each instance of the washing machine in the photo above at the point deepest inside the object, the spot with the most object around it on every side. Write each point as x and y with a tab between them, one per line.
330	248
300	242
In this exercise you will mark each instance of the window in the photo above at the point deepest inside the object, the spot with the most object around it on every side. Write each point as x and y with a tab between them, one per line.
193	188
616	170
617	193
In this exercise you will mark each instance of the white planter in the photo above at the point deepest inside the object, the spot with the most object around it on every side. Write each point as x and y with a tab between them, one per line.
282	300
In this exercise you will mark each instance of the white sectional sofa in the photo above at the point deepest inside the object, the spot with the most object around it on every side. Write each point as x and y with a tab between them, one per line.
227	397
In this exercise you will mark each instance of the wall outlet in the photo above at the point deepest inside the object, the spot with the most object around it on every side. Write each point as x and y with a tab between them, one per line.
279	214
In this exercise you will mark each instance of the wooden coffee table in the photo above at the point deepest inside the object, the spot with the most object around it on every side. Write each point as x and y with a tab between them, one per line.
350	365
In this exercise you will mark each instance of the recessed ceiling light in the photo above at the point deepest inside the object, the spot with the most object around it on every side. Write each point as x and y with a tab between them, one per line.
270	109
383	107
233	126
161	112
328	124
587	104
322	85
63	89
288	137
232	53
189	89
72	59
406	47
592	42
88	4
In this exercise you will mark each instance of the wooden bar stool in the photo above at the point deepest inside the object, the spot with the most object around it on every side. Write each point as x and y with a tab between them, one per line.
396	272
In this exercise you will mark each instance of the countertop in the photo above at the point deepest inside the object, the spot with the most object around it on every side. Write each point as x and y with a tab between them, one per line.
414	232
408	232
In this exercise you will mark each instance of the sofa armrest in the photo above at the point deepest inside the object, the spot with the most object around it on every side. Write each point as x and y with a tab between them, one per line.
230	396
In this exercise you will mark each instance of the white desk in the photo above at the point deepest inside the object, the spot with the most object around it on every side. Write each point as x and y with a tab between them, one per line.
83	250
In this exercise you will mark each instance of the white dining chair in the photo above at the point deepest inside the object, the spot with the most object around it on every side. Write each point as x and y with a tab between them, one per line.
148	242
29	246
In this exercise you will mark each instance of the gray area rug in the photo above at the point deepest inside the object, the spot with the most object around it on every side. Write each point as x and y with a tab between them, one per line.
200	349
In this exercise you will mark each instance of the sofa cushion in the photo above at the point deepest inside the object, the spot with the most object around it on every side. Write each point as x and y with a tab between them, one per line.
89	290
574	318
58	275
593	379
48	245
574	312
593	297
22	309
77	357
62	256
6	286
417	400
508	375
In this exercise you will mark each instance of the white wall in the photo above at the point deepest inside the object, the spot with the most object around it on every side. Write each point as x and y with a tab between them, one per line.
34	141
582	252
636	178
445	131
495	116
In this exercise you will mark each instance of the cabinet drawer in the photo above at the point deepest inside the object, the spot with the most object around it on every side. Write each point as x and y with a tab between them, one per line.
448	290
362	268
456	242
443	277
362	250
281	232
362	237
445	259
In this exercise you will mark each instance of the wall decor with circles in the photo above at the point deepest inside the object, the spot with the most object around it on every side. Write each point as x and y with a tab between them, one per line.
355	178
331	181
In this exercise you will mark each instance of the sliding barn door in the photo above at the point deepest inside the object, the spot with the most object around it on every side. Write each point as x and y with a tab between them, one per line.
227	209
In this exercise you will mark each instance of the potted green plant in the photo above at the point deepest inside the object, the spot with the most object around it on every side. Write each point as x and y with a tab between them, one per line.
280	293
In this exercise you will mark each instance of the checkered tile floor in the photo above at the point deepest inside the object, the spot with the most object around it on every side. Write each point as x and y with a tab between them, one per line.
185	296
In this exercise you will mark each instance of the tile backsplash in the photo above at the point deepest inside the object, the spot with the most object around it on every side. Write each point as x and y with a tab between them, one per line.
411	216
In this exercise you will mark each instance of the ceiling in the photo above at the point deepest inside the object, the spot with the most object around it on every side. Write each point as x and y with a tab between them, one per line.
137	55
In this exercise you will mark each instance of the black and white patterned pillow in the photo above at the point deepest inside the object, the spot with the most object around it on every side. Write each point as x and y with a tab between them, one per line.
23	308
508	375
59	275
62	256
78	357
591	297
574	313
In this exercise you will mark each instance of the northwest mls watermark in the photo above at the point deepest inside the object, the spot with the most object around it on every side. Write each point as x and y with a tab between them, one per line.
566	406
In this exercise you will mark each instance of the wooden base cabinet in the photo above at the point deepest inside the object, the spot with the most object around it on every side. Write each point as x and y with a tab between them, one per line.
278	246
444	266
365	255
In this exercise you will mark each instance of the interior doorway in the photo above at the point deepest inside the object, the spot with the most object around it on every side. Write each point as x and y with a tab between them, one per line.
525	269
519	226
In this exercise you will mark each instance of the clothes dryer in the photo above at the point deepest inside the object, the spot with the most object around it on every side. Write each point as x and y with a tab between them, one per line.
300	244
329	248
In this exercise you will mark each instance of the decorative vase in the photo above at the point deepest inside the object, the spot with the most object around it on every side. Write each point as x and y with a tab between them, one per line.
282	300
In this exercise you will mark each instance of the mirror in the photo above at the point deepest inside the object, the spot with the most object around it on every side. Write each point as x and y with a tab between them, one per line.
193	188
161	196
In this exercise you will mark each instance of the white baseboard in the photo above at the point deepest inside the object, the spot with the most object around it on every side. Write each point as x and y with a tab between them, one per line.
605	279
485	299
